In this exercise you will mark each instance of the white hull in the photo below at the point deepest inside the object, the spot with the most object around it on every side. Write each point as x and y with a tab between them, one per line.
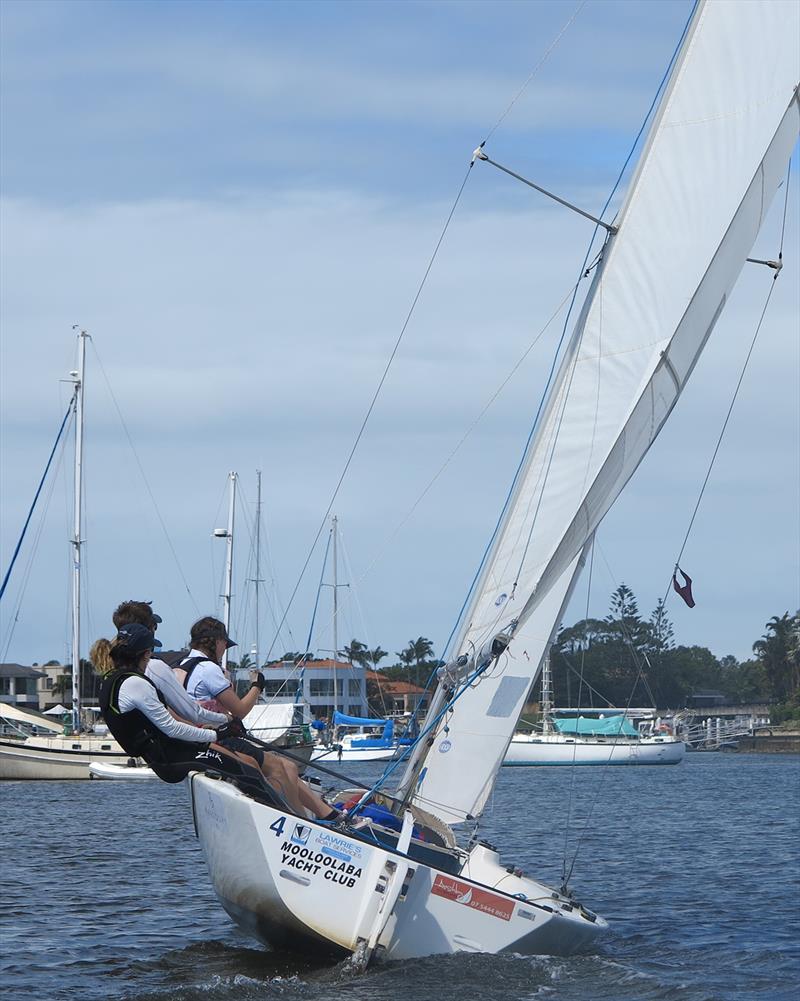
122	773
297	884
554	749
348	749
56	757
351	754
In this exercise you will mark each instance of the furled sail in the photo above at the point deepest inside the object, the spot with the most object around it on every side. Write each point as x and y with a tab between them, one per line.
715	155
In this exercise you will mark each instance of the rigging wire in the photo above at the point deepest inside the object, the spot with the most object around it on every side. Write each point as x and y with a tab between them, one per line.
15	554
28	569
368	414
353	588
375	395
145	480
604	770
584	271
535	70
575	745
736	390
460	443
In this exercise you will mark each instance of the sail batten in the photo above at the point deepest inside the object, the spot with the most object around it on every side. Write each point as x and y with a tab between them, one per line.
714	157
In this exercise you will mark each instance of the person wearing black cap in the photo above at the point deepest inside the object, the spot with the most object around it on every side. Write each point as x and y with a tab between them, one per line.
205	681
157	671
141	723
202	676
137	716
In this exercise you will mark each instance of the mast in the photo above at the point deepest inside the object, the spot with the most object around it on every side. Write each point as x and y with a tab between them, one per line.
76	541
334	524
547	693
714	157
257	580
226	598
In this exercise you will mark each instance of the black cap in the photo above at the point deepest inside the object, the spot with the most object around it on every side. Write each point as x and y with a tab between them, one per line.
211	629
137	638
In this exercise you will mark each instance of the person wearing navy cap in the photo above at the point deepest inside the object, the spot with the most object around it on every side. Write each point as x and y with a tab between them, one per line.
161	674
205	681
138	715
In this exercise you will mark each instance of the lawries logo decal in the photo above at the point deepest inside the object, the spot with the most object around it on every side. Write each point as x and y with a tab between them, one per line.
322	854
473	896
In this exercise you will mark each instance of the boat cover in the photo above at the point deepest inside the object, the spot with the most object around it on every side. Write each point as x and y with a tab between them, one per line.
613	726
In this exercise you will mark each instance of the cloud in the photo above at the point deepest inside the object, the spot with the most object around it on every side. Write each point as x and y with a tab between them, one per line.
250	333
239	204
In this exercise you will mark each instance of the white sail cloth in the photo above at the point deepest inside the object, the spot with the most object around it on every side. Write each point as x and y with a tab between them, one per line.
715	155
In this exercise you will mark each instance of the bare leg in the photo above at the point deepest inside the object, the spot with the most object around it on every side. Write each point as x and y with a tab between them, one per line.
275	776
309	799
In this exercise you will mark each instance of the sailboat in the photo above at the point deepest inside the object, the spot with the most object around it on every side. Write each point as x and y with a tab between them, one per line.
355	739
594	736
402	885
352	738
66	756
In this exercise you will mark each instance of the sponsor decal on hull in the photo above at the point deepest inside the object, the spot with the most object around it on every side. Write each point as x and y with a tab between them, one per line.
473	896
324	854
314	863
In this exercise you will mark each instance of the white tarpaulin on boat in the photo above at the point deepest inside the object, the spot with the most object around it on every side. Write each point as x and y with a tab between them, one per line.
717	150
16	715
270	720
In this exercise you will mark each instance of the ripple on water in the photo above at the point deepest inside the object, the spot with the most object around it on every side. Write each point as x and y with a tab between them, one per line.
109	897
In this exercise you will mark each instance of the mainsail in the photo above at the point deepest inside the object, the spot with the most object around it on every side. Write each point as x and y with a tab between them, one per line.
717	150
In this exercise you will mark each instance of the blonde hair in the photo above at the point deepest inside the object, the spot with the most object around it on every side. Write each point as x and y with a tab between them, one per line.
100	656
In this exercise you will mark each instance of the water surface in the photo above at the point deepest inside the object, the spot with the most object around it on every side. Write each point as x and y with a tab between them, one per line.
697	867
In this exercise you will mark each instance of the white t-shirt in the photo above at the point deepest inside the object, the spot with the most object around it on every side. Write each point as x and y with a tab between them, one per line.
206	680
176	697
138	693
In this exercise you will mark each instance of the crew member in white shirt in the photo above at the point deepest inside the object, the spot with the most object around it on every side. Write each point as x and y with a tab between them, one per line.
206	682
173	699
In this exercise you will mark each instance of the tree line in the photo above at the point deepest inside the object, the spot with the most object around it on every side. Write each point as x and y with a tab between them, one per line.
622	659
626	659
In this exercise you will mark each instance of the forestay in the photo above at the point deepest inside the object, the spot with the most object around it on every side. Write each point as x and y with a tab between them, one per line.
717	150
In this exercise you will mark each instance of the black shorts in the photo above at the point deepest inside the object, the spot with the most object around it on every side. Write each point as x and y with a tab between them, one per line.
172	760
244	747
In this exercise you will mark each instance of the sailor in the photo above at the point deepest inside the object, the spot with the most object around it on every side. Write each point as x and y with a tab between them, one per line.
203	678
141	723
157	671
205	681
139	720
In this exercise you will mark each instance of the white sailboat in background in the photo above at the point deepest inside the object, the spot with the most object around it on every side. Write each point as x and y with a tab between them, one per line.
66	756
594	736
717	150
352	738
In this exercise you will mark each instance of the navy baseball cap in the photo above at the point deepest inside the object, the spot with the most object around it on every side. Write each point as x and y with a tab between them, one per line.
137	638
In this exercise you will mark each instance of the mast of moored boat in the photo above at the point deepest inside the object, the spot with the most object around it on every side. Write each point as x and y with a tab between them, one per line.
334	525
257	579
76	541
226	598
546	707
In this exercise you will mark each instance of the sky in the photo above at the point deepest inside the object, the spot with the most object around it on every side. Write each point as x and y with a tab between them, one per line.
238	202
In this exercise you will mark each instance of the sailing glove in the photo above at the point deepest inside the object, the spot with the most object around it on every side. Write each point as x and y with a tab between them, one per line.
260	682
233	728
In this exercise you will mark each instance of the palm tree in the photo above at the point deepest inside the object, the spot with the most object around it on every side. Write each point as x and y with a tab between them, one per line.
417	653
777	651
375	656
357	653
406	655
